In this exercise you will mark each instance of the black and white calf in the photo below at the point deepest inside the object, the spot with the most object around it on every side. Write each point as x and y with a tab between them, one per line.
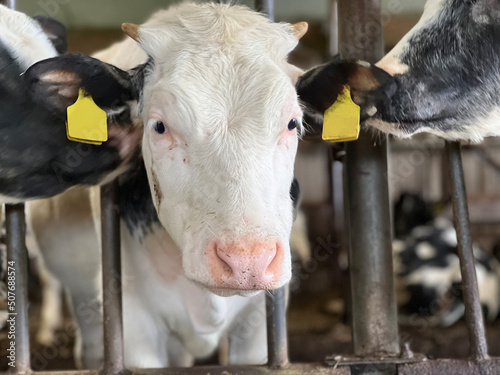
36	158
427	266
447	74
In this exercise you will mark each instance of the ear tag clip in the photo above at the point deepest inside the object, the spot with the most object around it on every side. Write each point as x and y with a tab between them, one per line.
341	120
87	123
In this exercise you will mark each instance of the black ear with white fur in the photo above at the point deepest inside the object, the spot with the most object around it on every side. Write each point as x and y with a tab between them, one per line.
54	83
319	87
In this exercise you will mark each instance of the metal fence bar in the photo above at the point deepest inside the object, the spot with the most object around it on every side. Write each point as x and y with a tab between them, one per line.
9	3
111	281
374	320
17	266
277	346
17	271
473	314
266	7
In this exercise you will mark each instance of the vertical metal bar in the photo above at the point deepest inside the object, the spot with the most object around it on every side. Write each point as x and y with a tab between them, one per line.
277	346
266	7
17	267
473	314
17	283
111	281
9	3
374	320
334	29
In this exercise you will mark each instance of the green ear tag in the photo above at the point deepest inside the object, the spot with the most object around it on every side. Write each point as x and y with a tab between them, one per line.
341	120
87	123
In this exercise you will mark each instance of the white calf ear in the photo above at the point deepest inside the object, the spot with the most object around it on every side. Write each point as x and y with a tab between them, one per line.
300	29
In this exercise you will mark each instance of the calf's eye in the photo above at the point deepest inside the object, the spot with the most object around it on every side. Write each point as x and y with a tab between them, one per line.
292	124
160	127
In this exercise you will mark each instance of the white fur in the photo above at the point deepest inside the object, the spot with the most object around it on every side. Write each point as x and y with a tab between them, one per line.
299	242
24	38
486	126
9	200
425	250
391	62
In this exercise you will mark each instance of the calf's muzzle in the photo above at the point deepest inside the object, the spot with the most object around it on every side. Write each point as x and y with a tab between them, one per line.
246	264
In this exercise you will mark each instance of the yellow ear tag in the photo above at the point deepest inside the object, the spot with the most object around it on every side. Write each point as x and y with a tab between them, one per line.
341	120
87	123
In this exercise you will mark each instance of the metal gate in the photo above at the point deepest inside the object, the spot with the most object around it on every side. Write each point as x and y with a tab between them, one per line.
374	313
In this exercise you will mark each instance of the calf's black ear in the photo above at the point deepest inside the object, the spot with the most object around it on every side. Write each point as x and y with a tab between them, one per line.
54	83
56	32
319	87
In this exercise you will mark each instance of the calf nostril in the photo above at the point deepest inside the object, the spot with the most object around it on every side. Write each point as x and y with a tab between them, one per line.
269	261
225	262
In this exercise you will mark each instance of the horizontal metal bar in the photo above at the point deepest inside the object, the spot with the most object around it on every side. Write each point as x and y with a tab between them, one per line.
429	367
295	369
451	366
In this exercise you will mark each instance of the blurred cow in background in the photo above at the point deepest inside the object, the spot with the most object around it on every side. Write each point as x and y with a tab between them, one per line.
427	266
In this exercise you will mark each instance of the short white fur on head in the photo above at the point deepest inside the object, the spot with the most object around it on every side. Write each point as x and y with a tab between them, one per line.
28	44
186	25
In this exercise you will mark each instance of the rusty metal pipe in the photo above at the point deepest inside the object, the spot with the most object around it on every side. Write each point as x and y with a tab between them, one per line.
473	314
374	317
111	281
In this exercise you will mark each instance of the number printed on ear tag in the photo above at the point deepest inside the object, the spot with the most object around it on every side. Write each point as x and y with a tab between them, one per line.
341	120
87	123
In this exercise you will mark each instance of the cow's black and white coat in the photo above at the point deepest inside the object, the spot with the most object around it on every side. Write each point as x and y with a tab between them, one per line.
36	158
447	74
427	266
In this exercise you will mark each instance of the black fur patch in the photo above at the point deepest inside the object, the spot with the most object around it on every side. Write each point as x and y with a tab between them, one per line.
136	203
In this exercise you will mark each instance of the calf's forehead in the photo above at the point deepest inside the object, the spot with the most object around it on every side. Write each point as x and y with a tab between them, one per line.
227	91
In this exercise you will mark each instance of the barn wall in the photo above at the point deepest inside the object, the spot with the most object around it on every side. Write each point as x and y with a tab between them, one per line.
88	14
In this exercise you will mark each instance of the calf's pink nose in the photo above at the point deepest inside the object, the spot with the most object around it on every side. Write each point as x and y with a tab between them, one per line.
246	265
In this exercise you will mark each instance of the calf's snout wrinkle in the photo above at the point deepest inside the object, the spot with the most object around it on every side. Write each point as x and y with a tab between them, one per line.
246	264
